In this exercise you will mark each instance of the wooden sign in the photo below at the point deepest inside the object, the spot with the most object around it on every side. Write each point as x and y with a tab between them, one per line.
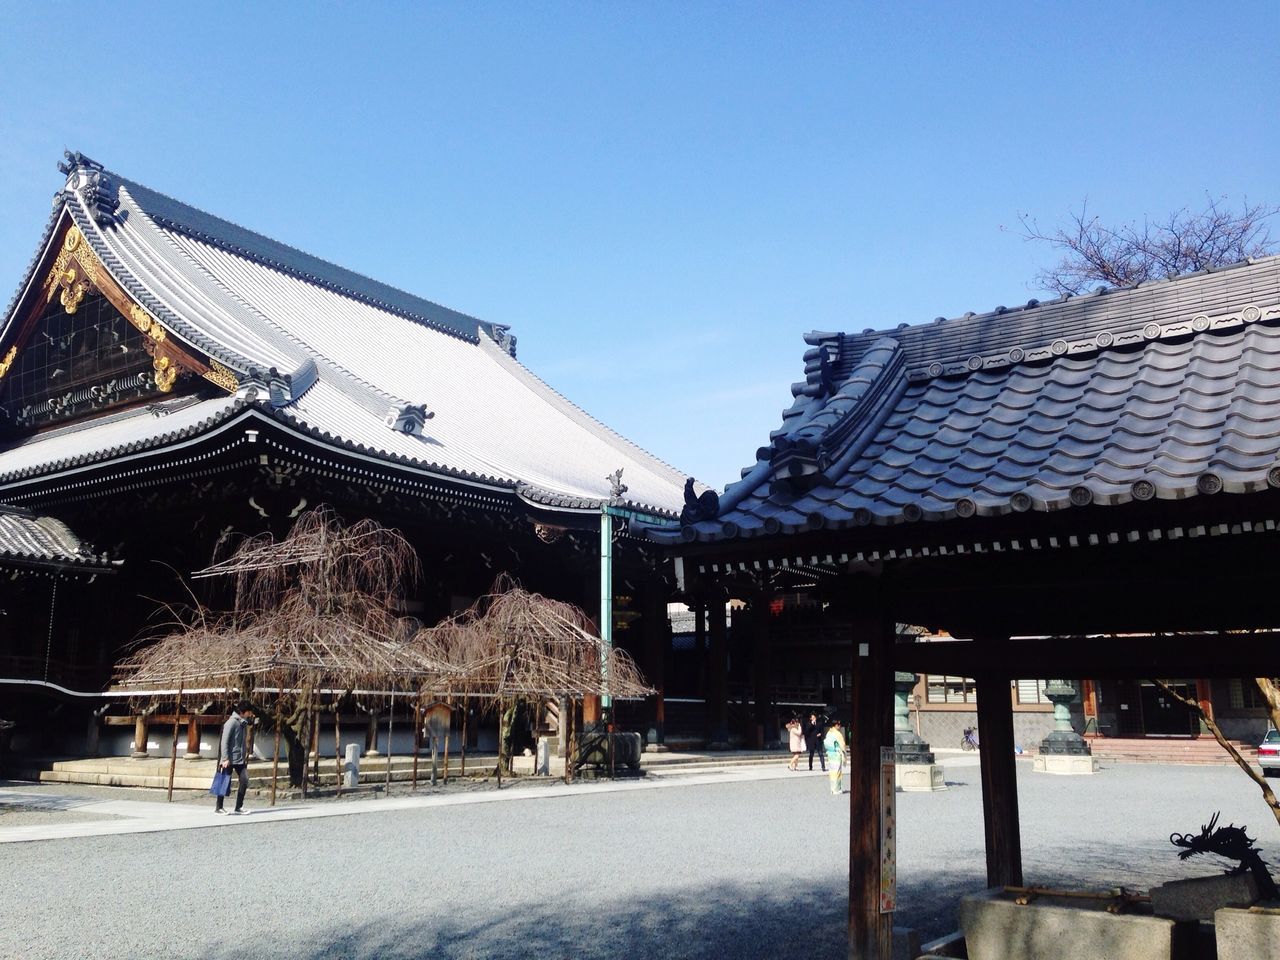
888	833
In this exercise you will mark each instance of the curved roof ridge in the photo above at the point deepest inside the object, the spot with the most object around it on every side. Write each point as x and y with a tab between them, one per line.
1110	309
242	241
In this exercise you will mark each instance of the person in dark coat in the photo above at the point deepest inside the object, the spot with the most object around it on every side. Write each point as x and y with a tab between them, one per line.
814	728
235	753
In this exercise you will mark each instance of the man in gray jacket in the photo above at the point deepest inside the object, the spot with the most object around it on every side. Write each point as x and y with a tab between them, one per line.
235	755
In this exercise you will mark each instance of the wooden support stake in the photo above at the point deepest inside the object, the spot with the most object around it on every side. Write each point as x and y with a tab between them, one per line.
275	757
391	712
999	769
870	930
417	741
173	753
466	713
448	731
337	744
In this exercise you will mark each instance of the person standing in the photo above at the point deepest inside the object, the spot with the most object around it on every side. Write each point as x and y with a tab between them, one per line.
235	753
795	736
834	746
813	730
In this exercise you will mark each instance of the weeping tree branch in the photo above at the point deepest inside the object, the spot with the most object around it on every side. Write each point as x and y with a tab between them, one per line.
1256	776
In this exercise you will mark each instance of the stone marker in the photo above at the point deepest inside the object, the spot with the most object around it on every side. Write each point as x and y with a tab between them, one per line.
1249	934
997	928
351	767
1198	897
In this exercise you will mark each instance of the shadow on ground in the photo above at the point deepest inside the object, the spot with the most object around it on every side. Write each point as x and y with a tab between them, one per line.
805	923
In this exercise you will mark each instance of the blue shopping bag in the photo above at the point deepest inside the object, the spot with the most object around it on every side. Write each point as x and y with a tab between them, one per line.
221	785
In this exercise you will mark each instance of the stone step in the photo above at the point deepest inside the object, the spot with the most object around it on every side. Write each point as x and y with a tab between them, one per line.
1202	750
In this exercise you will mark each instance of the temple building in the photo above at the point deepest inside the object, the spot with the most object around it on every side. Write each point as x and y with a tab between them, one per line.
168	377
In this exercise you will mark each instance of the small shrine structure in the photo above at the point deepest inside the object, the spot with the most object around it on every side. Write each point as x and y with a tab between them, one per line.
1083	488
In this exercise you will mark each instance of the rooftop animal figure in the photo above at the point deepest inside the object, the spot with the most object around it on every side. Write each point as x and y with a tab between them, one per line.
1232	843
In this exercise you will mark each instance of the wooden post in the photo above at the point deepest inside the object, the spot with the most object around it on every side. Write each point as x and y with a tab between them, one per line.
870	931
999	769
140	735
1089	707
1204	697
654	626
718	683
193	736
466	714
570	748
761	668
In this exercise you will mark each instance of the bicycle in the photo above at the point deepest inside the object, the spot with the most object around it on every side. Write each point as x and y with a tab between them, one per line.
970	739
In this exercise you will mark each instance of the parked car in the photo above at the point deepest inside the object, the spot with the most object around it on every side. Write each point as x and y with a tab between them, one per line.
1269	754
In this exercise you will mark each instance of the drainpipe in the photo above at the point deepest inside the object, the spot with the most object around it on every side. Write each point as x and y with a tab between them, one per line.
606	602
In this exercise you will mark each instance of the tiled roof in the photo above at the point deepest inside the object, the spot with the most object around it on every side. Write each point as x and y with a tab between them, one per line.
366	355
28	540
1166	390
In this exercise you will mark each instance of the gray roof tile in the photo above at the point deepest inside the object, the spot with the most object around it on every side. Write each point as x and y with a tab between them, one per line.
1071	403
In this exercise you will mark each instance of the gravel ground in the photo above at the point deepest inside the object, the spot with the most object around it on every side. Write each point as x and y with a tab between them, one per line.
752	869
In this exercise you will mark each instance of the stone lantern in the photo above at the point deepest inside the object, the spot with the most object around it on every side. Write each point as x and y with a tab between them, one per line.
914	766
1063	750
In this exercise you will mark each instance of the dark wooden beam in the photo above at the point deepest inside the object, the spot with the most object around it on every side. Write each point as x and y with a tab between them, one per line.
999	771
1123	657
872	632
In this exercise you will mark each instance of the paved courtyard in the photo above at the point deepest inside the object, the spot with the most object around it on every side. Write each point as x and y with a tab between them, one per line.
744	862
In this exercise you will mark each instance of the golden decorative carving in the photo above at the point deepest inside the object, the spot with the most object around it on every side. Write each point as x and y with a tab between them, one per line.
220	375
166	373
147	323
140	318
74	272
7	362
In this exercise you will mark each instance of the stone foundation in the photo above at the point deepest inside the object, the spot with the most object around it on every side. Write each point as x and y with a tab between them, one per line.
1067	764
919	777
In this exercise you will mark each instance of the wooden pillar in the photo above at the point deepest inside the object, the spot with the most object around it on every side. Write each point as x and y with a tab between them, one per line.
999	769
870	931
702	680
193	737
1204	696
761	670
1089	706
718	670
140	735
657	638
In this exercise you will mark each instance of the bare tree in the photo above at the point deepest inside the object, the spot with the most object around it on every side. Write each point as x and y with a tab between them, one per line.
1183	242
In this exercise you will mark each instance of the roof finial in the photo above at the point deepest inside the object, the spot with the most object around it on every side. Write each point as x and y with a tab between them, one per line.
89	180
616	487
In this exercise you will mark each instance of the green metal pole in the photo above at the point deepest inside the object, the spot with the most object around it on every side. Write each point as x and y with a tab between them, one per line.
606	602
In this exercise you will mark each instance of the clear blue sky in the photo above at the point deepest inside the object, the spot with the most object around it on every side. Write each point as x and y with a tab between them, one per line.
660	198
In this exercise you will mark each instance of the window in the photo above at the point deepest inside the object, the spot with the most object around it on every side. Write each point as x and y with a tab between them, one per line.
950	690
1244	695
1032	691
